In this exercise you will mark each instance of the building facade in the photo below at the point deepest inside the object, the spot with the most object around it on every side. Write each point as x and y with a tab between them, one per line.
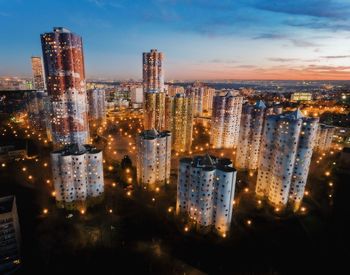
10	236
153	90
301	96
38	74
251	129
285	157
226	118
205	192
324	138
65	80
179	121
153	158
136	95
77	174
97	105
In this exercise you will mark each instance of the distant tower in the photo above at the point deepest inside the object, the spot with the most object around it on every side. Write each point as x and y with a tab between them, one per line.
226	118
38	74
77	174
65	78
179	120
251	129
10	236
205	192
97	105
153	89
197	101
324	138
208	95
153	158
285	157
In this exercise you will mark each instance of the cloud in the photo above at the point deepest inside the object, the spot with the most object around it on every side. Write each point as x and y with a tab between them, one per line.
216	60
313	8
335	56
246	66
270	36
280	59
303	43
107	3
319	24
314	67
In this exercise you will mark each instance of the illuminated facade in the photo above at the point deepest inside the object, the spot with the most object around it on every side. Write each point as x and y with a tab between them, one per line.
226	118
153	90
97	105
205	192
153	158
207	106
136	95
10	236
197	93
179	121
251	129
324	138
285	157
77	174
301	96
38	74
173	90
65	80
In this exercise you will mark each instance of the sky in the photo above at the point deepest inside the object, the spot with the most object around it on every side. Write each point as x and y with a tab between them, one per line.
201	39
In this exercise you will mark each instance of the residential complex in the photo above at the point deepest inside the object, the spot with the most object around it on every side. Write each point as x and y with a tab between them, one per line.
10	236
179	121
226	118
324	138
286	151
251	129
205	192
77	174
65	80
38	74
153	158
153	90
97	105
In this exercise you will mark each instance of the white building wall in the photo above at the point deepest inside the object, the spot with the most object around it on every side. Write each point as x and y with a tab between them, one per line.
77	175
250	134
136	95
285	158
224	195
324	138
153	158
205	192
95	186
226	119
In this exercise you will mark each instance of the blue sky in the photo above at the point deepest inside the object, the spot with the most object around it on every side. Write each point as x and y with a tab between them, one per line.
201	39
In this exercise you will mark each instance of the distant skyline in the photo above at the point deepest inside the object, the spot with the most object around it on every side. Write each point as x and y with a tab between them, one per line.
201	39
